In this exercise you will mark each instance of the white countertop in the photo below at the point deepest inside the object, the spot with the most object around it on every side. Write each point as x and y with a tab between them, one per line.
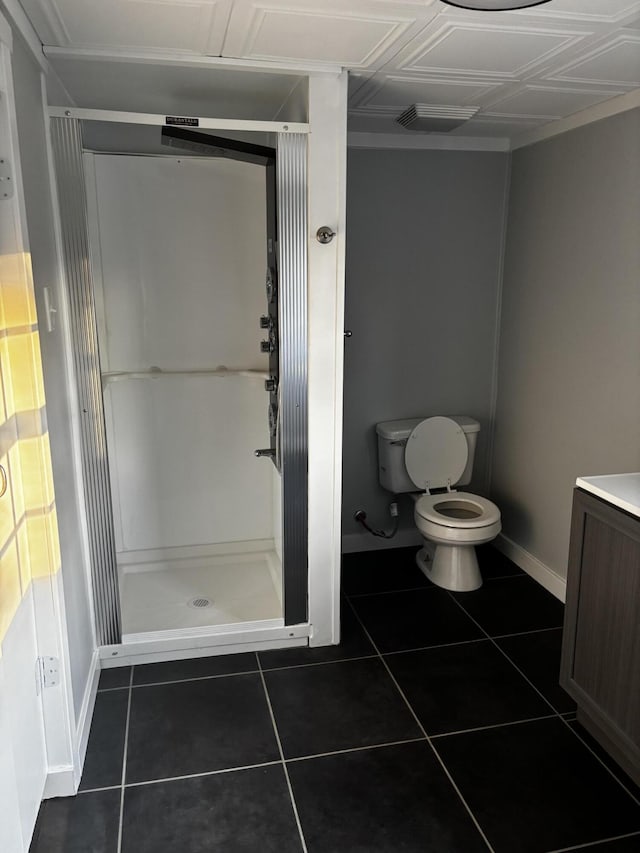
621	490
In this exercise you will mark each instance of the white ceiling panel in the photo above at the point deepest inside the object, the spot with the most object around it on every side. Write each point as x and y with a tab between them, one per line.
46	21
487	50
547	102
194	26
398	92
617	63
520	68
609	11
356	35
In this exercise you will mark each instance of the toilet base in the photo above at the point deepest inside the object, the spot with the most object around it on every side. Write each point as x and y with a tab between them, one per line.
453	567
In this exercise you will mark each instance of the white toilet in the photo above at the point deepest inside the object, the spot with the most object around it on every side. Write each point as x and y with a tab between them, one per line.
427	457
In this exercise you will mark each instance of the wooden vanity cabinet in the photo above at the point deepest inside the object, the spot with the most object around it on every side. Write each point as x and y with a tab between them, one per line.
600	665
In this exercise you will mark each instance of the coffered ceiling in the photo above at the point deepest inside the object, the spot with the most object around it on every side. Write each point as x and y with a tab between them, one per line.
520	69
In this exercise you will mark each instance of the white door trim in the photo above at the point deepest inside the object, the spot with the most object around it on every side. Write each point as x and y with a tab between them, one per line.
158	120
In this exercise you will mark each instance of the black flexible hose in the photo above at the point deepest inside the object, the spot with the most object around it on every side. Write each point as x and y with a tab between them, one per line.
382	534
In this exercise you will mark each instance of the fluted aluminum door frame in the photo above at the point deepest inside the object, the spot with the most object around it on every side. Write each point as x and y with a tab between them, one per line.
66	142
292	284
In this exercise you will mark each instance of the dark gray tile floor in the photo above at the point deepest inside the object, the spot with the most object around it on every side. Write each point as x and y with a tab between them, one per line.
437	726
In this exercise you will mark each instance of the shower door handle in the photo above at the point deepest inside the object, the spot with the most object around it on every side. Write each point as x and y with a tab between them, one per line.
265	451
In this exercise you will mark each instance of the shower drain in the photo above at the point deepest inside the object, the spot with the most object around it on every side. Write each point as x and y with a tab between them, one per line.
200	601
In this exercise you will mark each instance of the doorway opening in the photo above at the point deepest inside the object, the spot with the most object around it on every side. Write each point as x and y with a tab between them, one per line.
200	349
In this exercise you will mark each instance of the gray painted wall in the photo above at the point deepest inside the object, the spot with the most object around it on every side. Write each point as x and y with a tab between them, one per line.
422	280
569	377
35	175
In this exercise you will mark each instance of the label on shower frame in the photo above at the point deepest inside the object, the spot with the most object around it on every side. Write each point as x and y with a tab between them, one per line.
181	121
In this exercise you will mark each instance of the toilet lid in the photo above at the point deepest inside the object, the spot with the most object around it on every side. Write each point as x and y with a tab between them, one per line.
436	453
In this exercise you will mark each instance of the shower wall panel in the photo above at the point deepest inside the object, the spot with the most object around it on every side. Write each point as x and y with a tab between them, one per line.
182	459
179	246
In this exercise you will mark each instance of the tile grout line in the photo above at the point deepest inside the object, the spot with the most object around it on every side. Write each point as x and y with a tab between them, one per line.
493	726
544	698
384	592
317	663
124	762
202	774
353	749
423	730
589	844
525	633
436	646
98	790
180	680
427	587
282	758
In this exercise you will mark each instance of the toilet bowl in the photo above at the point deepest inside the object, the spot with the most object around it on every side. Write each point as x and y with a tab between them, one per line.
433	455
455	522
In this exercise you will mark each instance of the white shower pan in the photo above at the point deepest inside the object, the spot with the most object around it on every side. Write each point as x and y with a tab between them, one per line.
175	593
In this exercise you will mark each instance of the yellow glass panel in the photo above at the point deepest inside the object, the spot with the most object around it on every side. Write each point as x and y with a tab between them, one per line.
10	595
29	543
24	556
16	291
55	560
7	521
39	531
23	367
38	377
47	469
6	379
35	464
14	473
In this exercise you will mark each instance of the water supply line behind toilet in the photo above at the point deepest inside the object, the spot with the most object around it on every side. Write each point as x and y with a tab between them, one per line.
361	517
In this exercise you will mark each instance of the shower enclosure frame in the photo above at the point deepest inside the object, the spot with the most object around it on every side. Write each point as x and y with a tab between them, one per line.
292	217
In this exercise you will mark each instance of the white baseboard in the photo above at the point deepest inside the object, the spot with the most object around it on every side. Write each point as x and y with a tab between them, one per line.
86	714
540	572
63	781
60	782
355	542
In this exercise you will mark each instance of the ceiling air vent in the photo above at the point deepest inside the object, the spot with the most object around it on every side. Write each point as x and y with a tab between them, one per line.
435	118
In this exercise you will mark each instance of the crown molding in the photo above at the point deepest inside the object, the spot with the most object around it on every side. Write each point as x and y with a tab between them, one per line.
191	60
426	142
620	104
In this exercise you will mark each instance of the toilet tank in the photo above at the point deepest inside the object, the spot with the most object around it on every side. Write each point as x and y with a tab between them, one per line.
392	440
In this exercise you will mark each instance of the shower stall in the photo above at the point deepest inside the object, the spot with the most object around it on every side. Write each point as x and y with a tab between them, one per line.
186	273
178	256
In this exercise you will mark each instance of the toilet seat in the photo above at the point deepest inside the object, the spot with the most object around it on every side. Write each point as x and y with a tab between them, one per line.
436	453
458	510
